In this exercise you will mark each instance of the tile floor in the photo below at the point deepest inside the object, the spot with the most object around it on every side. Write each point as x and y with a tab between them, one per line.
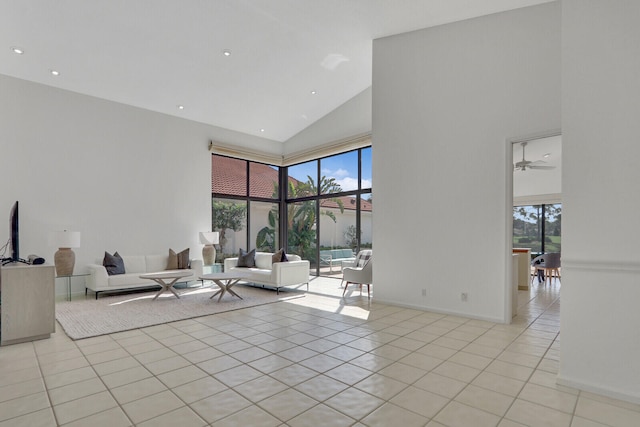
313	361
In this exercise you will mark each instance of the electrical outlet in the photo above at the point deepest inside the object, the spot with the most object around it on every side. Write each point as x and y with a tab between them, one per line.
463	296
424	292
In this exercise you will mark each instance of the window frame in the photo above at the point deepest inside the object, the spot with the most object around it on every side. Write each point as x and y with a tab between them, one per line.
283	200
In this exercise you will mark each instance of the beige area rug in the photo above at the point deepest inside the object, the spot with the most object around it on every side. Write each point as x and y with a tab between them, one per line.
109	314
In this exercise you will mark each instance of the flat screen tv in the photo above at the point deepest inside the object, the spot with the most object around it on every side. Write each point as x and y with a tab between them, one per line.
14	239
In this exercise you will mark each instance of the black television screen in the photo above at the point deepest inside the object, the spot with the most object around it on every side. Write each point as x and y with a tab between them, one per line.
15	233
14	237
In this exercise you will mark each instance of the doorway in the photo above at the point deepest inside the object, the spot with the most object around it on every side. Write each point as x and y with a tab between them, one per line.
537	194
535	204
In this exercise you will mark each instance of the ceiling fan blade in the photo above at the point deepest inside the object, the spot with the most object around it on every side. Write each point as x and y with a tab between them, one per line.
523	163
538	162
540	167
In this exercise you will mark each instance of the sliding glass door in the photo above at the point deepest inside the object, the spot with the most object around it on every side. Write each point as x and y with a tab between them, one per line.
538	227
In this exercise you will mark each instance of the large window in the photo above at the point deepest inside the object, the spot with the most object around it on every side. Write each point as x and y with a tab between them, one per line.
329	209
229	218
265	226
322	209
538	227
245	205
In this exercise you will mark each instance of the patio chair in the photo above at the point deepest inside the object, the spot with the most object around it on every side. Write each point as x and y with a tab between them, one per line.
361	273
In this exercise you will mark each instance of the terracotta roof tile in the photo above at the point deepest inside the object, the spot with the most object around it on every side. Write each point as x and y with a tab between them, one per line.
229	176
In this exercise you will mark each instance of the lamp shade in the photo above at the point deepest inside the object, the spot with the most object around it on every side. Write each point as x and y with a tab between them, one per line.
209	237
64	239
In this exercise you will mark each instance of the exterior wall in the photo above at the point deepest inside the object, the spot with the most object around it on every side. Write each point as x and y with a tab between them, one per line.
446	101
333	234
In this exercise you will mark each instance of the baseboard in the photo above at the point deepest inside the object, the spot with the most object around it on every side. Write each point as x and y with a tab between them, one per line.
598	389
441	311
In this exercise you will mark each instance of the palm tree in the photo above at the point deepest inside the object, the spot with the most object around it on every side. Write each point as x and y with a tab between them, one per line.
301	217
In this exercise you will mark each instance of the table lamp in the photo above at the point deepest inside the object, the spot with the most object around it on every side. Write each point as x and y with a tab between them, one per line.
209	238
64	259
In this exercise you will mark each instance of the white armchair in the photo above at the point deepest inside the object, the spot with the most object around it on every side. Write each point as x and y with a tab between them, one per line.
361	274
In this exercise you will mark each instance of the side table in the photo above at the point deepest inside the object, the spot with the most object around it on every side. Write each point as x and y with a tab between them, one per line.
69	282
212	268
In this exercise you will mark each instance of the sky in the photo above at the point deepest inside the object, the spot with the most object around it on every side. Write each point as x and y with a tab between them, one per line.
342	167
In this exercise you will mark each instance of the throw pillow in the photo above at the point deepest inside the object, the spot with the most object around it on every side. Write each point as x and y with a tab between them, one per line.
279	256
183	259
247	259
363	258
178	261
172	262
114	264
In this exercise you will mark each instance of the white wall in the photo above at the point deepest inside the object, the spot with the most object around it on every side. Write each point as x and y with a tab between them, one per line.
445	102
128	179
351	118
601	256
535	182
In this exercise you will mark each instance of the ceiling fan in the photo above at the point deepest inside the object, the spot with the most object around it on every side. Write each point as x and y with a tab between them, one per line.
523	164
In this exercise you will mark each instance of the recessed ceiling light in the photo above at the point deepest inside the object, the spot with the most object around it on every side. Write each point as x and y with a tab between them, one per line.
180	107
17	50
54	72
546	156
226	52
313	92
261	130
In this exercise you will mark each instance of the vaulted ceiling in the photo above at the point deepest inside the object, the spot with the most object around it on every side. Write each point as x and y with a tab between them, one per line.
268	68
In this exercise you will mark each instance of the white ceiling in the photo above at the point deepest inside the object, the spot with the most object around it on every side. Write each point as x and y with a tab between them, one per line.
547	150
538	182
158	54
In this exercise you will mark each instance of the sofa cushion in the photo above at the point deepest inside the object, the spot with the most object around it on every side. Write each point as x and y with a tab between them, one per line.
123	281
135	264
155	263
113	263
263	260
259	274
247	259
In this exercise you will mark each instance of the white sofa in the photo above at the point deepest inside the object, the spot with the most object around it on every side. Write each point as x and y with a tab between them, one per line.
99	281
276	275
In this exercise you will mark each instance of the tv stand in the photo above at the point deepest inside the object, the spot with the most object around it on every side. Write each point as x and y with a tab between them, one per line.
27	295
